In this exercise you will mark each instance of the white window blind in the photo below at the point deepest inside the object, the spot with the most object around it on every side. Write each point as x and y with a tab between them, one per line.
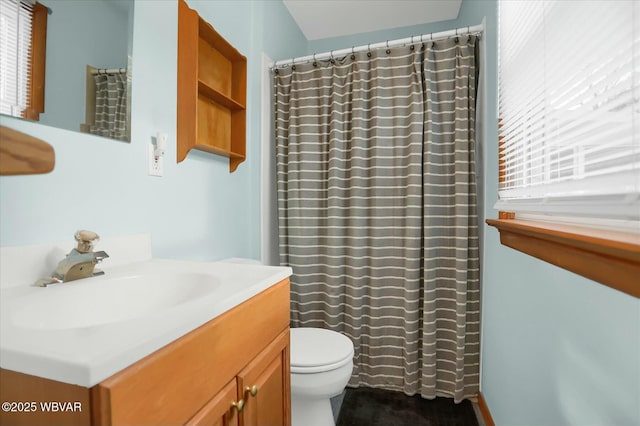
15	51
569	104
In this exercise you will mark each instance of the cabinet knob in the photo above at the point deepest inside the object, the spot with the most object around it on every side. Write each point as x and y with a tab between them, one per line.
253	390
238	405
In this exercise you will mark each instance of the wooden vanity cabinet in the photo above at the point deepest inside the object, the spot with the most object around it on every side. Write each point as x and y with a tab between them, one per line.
177	382
262	384
261	388
217	411
233	370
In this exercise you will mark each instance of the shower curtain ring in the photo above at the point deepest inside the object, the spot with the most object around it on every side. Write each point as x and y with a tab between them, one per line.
315	63
353	53
368	50
388	50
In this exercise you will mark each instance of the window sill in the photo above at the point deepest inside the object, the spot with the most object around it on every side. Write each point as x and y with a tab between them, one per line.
608	257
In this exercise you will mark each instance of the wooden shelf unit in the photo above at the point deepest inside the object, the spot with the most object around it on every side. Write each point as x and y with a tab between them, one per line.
212	91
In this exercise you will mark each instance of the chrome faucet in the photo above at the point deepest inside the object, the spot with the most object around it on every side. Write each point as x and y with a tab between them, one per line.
79	263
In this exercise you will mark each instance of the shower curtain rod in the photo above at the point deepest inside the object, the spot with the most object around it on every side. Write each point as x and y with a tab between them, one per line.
109	71
393	43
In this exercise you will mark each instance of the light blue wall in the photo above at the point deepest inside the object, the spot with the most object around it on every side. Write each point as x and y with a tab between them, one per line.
198	210
557	349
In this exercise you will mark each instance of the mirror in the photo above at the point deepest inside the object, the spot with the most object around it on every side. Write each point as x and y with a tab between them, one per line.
85	39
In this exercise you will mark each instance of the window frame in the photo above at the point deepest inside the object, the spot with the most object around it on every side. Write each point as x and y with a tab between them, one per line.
611	258
37	63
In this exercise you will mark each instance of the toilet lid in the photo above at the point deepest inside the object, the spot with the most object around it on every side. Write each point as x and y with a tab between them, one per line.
316	349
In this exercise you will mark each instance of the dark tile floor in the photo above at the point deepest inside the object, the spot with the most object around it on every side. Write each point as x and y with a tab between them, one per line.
377	407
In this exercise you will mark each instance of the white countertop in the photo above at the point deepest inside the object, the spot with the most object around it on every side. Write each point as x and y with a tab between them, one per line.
89	354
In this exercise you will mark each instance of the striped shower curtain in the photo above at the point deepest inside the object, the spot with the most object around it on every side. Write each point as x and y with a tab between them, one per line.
111	106
377	210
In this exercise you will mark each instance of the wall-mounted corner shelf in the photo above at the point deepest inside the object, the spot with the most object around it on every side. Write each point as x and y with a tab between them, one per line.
212	91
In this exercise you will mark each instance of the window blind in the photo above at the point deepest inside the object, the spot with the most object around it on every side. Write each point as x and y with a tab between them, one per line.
569	105
15	52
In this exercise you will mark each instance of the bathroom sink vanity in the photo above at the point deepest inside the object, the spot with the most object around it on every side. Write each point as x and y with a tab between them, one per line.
219	358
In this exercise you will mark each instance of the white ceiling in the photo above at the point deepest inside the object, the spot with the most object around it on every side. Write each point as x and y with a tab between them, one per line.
334	18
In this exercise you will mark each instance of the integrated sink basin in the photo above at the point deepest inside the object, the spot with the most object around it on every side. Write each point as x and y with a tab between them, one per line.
109	299
82	332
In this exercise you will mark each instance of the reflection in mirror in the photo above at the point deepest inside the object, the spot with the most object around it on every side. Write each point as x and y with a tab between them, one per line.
87	83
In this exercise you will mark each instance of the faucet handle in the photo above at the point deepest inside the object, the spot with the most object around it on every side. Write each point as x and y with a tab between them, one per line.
85	240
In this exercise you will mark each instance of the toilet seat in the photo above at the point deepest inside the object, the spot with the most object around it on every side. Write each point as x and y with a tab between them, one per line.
314	350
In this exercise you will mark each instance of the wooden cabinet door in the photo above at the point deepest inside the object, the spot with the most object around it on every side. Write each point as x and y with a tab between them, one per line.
219	411
265	386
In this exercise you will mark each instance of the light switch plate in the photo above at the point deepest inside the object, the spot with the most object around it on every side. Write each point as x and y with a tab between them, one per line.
155	164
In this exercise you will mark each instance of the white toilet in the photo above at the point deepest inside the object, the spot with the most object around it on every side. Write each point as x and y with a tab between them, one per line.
321	365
